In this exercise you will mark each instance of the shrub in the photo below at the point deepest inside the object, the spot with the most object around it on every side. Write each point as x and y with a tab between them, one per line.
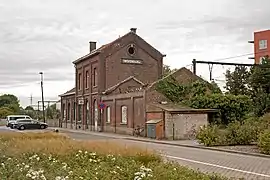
241	133
264	142
211	136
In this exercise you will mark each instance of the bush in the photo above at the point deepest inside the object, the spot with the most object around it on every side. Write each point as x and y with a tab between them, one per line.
211	136
264	142
241	133
235	133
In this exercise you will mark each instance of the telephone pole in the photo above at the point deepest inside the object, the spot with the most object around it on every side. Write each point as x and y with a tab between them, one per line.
42	95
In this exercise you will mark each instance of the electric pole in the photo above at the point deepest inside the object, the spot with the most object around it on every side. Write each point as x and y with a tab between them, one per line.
42	95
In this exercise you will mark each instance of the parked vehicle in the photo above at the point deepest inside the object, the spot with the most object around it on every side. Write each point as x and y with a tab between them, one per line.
12	119
22	124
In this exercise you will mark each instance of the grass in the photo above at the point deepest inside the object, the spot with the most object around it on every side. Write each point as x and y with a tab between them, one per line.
53	156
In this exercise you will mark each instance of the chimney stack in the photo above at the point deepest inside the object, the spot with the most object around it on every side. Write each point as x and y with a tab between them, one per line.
93	46
133	30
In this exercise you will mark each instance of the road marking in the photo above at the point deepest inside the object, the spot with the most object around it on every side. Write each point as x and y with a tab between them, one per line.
215	165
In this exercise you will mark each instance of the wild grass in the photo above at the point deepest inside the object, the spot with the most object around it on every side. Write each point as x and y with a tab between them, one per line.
54	156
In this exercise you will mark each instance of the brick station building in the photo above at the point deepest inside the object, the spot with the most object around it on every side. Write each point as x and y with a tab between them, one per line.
115	75
122	75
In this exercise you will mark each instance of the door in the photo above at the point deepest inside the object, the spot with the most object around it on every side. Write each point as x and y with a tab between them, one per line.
151	131
96	115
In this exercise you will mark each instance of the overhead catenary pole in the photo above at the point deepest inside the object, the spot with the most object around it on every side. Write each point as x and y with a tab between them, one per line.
211	63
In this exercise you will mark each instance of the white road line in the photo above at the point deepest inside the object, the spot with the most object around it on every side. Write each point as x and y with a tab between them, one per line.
215	165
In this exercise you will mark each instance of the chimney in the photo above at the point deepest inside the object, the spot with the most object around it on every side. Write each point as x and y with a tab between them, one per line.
93	45
133	30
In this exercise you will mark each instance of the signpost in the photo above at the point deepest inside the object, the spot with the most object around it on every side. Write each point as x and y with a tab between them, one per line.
102	105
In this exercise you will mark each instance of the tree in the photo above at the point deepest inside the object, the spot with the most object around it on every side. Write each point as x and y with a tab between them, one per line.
5	111
237	81
10	101
167	70
29	108
259	83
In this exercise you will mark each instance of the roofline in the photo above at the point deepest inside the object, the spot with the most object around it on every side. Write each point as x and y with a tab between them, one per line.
192	110
93	53
67	94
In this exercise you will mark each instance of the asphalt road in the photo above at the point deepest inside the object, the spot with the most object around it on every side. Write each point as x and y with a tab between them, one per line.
230	165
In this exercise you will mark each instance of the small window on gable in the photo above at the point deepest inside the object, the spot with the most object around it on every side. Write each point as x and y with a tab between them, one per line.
124	114
108	114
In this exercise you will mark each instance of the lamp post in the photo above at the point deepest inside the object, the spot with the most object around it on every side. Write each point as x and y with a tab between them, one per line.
42	95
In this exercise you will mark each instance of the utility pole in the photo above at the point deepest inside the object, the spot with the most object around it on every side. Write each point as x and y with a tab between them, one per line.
42	95
194	66
31	100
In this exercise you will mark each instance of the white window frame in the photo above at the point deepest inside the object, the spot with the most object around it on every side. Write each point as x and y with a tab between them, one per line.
108	114
124	118
263	44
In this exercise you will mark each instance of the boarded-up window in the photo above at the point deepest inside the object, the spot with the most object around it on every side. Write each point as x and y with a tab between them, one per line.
108	113
124	114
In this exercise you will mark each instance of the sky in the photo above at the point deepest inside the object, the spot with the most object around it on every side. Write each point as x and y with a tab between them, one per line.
47	36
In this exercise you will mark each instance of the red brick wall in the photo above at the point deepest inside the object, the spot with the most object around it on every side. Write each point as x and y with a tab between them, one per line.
263	35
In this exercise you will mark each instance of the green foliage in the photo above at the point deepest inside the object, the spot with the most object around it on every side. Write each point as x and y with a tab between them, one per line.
199	94
167	70
264	142
5	111
231	107
237	81
29	108
9	104
241	133
211	136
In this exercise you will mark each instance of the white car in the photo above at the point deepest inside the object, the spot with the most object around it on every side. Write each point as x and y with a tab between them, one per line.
12	119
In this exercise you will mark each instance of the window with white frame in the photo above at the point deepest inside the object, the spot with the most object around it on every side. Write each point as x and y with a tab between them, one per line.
124	114
263	44
108	113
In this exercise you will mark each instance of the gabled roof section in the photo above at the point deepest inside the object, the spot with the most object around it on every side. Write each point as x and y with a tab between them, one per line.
104	47
70	92
182	75
111	89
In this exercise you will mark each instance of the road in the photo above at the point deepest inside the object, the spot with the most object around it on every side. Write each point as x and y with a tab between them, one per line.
230	165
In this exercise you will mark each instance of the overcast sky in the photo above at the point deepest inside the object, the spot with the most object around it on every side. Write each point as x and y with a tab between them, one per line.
47	36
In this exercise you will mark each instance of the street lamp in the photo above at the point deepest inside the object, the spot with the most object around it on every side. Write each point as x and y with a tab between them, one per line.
42	95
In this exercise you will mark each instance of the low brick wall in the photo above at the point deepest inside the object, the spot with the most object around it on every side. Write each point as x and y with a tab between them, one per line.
53	122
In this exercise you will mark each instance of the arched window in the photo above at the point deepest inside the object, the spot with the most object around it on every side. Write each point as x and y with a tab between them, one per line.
68	112
108	113
124	116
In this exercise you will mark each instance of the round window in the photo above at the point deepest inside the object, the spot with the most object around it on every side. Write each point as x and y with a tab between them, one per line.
131	50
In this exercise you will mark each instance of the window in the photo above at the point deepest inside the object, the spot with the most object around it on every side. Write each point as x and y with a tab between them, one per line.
68	112
87	80
74	111
79	81
64	111
80	113
263	44
108	113
95	77
124	114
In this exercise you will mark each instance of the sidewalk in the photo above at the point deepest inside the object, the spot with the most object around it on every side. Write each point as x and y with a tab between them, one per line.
181	143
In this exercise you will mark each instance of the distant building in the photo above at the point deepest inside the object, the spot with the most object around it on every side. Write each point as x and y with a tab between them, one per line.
261	47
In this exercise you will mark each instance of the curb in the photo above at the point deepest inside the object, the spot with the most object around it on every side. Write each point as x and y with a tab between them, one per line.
172	144
203	147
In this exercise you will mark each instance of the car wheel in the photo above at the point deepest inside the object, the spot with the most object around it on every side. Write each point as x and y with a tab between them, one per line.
21	128
42	127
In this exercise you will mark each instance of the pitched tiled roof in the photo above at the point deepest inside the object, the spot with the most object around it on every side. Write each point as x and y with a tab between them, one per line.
70	92
103	47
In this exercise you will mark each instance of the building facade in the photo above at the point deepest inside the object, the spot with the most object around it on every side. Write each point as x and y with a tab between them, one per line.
261	47
115	75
